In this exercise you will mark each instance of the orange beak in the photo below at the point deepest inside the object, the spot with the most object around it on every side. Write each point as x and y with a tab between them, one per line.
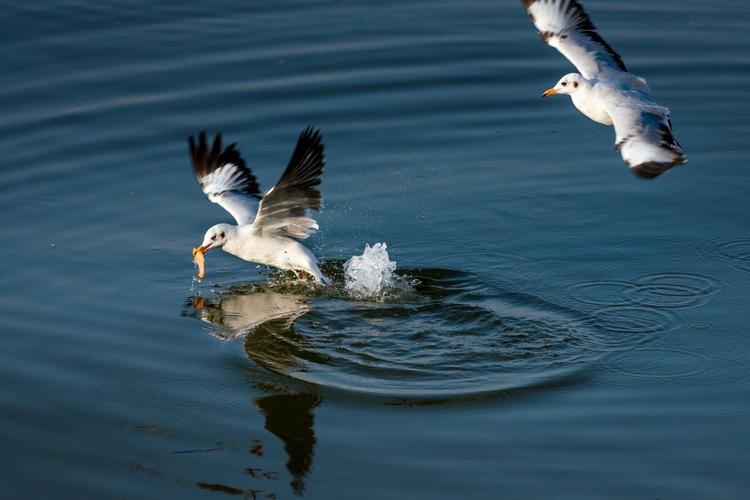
549	92
200	249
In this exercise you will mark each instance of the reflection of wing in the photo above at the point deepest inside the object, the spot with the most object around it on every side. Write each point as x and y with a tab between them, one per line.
238	315
564	24
644	136
283	209
224	177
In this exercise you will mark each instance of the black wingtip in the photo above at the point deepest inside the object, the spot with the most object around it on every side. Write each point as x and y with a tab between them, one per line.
206	161
311	139
306	164
309	153
311	135
197	150
652	169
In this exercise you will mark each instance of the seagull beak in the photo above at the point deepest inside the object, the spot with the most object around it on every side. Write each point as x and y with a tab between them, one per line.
202	249
549	92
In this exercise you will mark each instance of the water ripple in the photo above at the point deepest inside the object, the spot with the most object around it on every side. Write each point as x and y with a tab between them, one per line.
602	292
688	373
135	414
662	363
629	326
737	252
674	290
454	337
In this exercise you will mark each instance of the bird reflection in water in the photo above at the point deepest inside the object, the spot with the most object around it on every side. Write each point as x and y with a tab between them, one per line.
290	418
266	319
241	309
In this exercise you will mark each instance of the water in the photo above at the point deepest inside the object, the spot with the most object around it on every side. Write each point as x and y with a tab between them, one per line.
572	332
372	275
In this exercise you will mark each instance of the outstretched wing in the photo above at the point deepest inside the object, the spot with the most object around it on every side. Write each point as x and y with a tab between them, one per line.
283	209
564	24
644	137
224	177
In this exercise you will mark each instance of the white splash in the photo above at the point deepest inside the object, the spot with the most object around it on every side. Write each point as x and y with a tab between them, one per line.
371	274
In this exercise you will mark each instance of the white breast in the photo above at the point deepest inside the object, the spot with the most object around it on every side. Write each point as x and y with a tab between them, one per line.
271	250
590	105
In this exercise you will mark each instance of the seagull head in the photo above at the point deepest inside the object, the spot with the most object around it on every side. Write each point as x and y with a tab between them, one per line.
567	85
215	237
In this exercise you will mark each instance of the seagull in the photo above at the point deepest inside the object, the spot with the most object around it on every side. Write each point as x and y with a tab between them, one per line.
269	227
605	90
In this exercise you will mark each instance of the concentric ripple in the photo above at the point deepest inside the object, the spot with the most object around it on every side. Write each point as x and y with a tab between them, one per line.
690	374
452	337
631	326
737	252
661	364
674	290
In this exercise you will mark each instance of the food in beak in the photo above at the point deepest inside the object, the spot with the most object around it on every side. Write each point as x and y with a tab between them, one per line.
200	260
549	92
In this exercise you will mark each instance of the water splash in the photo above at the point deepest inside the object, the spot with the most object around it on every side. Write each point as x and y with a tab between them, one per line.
372	275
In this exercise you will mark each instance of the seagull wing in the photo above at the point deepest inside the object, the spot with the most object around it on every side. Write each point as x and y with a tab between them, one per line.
283	209
224	177
565	25
644	135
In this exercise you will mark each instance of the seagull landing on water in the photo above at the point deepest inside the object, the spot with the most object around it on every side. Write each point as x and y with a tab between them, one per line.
605	90
269	227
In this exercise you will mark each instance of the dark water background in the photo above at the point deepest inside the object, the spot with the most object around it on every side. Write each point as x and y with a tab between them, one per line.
575	333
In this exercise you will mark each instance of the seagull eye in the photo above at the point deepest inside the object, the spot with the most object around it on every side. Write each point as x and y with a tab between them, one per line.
222	234
575	84
564	83
213	237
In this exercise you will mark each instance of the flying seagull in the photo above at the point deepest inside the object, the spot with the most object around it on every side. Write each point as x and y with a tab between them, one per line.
605	90
269	227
